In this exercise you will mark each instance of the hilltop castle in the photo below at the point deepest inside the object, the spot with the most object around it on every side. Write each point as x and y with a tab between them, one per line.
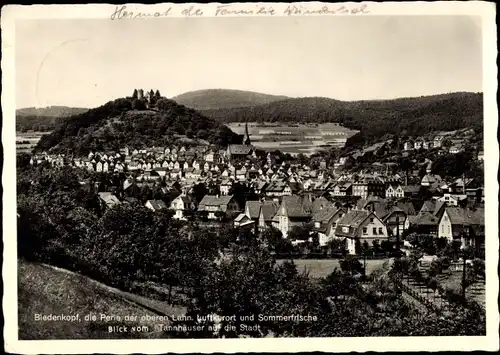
148	97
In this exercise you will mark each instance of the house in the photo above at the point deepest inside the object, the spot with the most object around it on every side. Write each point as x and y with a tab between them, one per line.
408	145
368	186
268	210
438	141
463	224
218	206
225	186
358	226
243	221
239	151
182	205
453	200
431	180
325	222
428	144
108	199
294	211
456	149
250	215
425	223
396	221
411	191
418	144
342	189
155	205
252	209
394	191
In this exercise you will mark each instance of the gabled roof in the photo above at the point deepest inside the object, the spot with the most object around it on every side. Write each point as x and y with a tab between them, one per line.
321	204
253	208
109	198
325	215
352	219
213	200
240	149
295	207
407	207
156	204
269	209
425	219
466	216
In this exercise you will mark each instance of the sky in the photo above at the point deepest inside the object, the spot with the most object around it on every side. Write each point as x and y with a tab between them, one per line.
87	62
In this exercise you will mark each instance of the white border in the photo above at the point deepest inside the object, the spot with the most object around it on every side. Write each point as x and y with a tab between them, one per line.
490	342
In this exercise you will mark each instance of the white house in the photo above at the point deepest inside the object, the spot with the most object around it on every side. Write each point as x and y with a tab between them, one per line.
358	226
394	191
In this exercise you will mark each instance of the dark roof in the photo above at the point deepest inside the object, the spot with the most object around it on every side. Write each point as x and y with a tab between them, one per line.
321	204
269	209
428	206
466	216
412	189
295	206
426	219
212	200
407	207
325	215
253	208
353	220
240	149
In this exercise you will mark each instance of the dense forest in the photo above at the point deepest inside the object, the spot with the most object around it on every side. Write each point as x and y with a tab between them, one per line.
127	121
224	98
374	119
44	119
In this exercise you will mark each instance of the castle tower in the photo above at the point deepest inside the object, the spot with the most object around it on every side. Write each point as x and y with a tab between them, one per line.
246	137
140	94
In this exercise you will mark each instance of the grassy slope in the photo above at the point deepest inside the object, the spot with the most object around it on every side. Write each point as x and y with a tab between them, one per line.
224	98
45	290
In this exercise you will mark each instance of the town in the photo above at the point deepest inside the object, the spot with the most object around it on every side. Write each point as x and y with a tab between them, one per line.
257	190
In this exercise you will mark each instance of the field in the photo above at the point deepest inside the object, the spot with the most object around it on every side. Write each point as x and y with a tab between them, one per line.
26	141
294	138
319	268
47	291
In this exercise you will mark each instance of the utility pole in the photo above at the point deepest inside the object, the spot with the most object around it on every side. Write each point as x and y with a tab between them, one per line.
398	258
464	257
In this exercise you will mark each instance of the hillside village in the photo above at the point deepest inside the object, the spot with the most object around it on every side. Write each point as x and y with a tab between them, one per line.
256	190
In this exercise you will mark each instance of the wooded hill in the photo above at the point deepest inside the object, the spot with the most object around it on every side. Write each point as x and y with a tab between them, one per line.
44	118
127	121
374	119
224	98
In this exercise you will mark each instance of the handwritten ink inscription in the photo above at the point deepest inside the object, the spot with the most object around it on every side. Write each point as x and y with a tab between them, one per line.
228	10
324	10
121	12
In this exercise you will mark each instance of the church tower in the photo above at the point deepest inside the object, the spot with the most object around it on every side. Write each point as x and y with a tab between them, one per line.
246	137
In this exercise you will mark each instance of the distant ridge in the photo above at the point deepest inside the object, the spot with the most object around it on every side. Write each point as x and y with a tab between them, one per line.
373	118
224	98
50	111
44	118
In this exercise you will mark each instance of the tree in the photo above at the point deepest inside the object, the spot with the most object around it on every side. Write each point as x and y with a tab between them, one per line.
199	191
138	105
351	266
135	94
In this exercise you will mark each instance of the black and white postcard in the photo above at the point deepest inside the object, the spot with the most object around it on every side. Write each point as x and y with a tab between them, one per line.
250	177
